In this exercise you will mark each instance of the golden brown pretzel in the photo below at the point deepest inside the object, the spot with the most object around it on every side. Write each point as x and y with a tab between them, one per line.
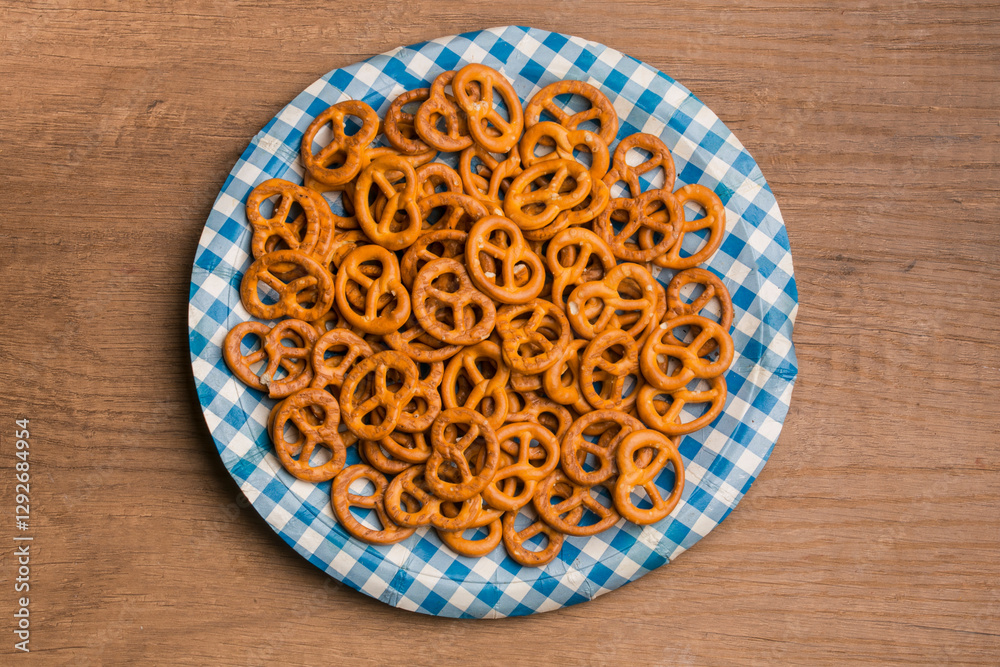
565	142
529	406
487	126
342	500
542	187
713	288
449	445
632	475
576	256
521	462
333	354
440	107
460	211
344	151
601	109
414	342
311	232
666	417
487	394
520	274
458	299
301	409
598	363
378	292
421	411
377	396
438	177
398	124
409	502
575	445
457	542
311	284
562	515
658	350
293	360
372	453
430	246
655	215
561	381
485	183
535	335
389	231
514	539
608	292
714	221
660	157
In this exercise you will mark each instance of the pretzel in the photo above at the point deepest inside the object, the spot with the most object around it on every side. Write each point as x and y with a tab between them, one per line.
520	275
514	540
290	359
414	342
632	475
561	381
576	256
433	176
379	292
465	366
409	488
430	246
486	518
411	448
713	288
714	221
388	231
588	209
666	417
373	453
441	107
311	232
521	462
398	124
607	291
356	409
461	211
562	515
613	373
645	218
657	352
488	128
428	299
528	406
298	409
601	109
343	150
575	447
485	184
449	448
535	335
418	415
525	381
541	186
622	171
342	500
345	348
314	285
565	141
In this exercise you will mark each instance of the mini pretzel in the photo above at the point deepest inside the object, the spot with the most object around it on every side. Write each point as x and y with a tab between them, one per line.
666	417
449	450
441	107
409	488
487	518
631	475
418	415
373	453
410	448
563	515
414	342
521	272
575	447
387	231
343	500
565	142
488	128
314	285
434	176
465	366
576	256
311	232
345	348
521	461
430	246
514	540
657	352
714	221
528	406
614	372
524	328
601	108
461	211
398	124
650	213
588	209
391	403
612	304
541	186
298	409
485	184
428	299
343	150
561	381
622	171
378	292
278	355
713	288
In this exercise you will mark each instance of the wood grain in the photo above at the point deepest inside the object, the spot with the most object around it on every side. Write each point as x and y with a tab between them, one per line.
873	533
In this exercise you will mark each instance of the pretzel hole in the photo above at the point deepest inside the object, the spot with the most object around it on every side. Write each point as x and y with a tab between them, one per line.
251	342
640	499
352	125
583	154
500	106
266	295
362	486
320	456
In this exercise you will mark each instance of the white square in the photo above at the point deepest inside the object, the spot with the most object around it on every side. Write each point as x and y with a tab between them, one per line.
291	115
705	117
759	241
310	540
643	76
249	174
748	463
420	65
769	292
279	517
225	205
704	525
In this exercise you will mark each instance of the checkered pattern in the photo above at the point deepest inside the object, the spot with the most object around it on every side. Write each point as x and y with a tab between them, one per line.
721	461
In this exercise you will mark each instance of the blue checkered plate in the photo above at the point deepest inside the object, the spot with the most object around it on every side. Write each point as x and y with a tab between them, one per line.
721	461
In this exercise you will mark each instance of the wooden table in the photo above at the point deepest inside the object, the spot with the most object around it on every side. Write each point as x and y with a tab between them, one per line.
871	535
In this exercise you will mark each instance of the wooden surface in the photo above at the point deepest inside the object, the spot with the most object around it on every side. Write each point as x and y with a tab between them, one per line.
873	532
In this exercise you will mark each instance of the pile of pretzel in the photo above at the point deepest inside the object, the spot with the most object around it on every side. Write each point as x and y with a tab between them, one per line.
490	339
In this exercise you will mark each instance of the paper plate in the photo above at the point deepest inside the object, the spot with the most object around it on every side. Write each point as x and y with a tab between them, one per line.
721	461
